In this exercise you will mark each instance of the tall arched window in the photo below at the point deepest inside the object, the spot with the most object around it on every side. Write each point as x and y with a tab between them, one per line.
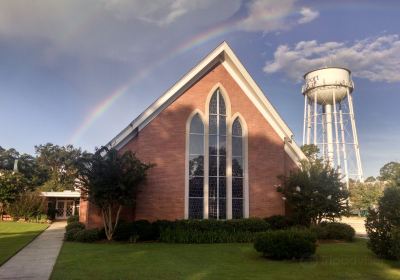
217	157
237	170
196	168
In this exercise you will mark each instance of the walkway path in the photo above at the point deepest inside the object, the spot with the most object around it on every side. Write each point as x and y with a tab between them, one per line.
36	260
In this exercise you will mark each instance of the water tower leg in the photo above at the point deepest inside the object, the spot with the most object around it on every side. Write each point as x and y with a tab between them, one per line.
329	136
308	121
346	171
315	118
305	120
355	137
338	160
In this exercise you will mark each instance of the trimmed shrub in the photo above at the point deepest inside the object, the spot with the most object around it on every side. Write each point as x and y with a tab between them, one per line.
123	232
74	225
144	230
72	219
87	235
286	244
334	231
213	231
383	225
279	222
70	235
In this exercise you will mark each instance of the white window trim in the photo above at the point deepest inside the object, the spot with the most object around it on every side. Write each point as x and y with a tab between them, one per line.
229	121
245	157
188	122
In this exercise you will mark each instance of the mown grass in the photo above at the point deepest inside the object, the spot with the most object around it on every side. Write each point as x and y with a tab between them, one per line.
215	261
15	235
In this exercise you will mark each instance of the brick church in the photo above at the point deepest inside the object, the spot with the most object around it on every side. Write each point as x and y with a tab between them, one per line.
218	145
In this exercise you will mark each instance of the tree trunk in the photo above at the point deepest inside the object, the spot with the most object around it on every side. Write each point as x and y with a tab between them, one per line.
109	226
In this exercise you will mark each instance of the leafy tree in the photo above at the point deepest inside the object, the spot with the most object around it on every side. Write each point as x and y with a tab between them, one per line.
365	195
26	164
11	185
310	151
59	162
390	172
27	205
110	181
370	179
314	192
383	225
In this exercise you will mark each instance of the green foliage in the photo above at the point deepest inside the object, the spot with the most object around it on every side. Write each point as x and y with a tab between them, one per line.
286	244
73	219
12	184
87	235
391	172
365	195
74	225
70	235
27	205
26	165
60	164
314	192
213	231
279	222
51	212
383	225
110	180
310	151
334	231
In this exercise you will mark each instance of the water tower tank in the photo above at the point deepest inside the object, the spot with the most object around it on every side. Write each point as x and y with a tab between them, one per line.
329	121
327	84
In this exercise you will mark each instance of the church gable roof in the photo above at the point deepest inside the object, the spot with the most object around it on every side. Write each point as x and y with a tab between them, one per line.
222	54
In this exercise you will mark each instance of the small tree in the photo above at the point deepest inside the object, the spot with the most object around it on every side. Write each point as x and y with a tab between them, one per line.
27	205
314	192
365	195
383	225
110	181
11	185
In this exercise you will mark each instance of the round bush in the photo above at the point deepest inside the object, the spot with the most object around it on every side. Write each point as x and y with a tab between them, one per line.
279	222
74	225
70	235
72	219
87	235
334	231
286	244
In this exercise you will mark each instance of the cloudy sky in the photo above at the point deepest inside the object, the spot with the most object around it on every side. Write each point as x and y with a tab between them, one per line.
78	71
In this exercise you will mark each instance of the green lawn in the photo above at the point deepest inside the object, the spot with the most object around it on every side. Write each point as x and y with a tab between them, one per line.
215	261
14	236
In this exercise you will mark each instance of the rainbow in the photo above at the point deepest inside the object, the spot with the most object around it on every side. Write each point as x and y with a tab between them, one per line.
106	103
195	41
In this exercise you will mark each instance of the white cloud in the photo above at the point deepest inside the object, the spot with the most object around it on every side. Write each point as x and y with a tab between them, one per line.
375	59
275	15
307	15
160	12
123	30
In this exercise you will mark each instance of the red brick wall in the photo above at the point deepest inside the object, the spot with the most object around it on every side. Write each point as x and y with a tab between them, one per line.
162	142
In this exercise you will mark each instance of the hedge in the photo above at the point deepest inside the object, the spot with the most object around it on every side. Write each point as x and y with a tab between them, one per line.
334	231
286	244
74	225
213	231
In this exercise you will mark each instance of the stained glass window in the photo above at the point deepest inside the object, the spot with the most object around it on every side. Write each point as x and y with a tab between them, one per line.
237	170
217	157
196	168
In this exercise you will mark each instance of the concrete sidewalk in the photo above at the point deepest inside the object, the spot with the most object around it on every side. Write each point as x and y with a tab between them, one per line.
36	261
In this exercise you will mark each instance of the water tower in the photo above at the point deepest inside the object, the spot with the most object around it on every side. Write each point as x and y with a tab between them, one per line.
329	121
